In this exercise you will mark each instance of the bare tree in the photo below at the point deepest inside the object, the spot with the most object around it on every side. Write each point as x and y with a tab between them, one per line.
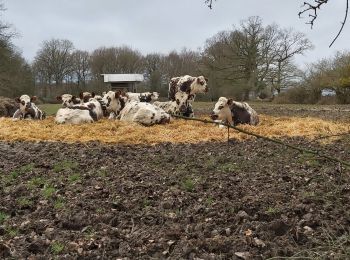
53	62
250	59
81	66
310	8
116	60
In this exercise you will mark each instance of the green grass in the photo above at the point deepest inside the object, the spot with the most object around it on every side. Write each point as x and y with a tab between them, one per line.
57	248
74	178
36	182
3	217
24	202
48	192
65	165
188	185
50	109
59	203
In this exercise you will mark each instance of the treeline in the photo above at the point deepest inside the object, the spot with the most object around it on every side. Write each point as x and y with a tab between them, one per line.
250	61
329	73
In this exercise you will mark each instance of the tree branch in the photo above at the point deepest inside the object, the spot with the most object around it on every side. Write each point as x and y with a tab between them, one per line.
343	23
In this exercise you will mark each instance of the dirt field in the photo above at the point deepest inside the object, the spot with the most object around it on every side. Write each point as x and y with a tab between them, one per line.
249	199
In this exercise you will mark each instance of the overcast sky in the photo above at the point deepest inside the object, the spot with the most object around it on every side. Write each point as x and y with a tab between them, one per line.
162	25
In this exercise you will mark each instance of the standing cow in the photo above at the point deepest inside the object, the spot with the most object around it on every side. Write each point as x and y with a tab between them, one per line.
190	85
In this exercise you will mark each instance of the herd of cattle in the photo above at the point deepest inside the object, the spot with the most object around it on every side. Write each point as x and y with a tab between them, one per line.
141	108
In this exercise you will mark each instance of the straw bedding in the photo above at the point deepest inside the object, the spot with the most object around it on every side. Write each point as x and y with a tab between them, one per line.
178	131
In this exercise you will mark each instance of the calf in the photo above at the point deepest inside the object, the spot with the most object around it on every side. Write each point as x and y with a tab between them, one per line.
143	97
180	106
143	113
188	84
27	109
234	113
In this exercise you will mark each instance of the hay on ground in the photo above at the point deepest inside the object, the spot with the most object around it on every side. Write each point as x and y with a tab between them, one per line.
178	131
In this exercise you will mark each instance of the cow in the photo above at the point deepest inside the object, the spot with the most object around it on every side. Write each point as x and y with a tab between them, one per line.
68	100
190	85
27	109
114	102
143	113
125	109
143	97
77	114
85	96
180	106
234	113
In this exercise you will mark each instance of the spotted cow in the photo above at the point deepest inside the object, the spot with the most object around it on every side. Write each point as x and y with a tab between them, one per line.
234	113
180	106
125	109
27	109
143	97
68	100
114	102
190	85
143	113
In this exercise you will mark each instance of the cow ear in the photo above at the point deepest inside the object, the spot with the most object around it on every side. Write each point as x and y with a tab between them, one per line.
33	98
17	100
118	93
93	94
81	95
229	101
59	98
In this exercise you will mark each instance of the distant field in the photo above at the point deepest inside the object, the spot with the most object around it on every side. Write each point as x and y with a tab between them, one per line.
50	109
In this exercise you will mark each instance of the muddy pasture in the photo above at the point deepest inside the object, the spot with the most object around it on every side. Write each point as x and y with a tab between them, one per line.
212	199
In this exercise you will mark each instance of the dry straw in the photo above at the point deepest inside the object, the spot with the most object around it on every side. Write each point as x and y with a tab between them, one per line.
178	131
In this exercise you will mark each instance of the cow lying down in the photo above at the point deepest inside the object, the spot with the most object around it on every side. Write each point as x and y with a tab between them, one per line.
27	109
234	113
143	97
125	109
77	114
180	106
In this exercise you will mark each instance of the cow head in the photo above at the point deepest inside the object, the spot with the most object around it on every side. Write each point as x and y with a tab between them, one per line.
154	96
85	96
182	100
222	110
199	85
68	100
114	101
25	102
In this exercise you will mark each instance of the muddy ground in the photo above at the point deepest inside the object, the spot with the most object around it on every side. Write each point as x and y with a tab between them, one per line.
242	200
252	200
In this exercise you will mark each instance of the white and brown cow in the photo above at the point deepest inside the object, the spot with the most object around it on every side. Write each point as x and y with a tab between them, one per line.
143	97
234	113
27	109
180	106
190	85
68	100
114	102
143	113
121	107
77	114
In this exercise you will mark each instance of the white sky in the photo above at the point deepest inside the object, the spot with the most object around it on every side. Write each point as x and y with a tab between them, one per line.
162	25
